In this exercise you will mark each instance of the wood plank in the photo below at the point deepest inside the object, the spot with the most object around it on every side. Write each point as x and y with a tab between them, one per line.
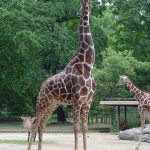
119	103
119	99
118	117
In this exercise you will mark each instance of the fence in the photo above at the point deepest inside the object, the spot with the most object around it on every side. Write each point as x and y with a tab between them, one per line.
103	119
95	119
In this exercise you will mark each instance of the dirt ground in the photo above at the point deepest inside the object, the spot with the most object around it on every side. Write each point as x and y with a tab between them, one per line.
65	141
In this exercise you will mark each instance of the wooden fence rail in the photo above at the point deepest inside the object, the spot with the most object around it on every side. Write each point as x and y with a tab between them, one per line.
100	119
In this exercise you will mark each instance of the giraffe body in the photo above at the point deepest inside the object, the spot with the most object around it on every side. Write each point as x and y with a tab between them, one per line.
144	102
73	86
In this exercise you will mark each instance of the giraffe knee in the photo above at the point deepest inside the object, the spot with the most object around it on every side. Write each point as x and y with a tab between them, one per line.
34	130
76	128
85	128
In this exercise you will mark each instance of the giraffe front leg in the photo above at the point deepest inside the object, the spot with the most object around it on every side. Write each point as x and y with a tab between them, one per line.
142	117
76	116
40	131
85	110
84	128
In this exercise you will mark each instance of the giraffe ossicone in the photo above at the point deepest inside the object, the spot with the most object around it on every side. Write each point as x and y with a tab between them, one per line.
73	86
144	102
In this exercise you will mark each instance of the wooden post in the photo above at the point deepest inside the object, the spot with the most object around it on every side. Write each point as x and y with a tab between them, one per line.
118	117
125	116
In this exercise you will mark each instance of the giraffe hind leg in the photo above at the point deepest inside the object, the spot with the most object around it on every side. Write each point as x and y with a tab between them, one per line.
40	131
43	122
33	131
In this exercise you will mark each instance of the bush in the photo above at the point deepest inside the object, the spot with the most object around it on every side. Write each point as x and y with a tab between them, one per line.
133	120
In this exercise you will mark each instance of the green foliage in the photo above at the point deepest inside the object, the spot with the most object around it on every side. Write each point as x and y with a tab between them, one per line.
132	120
23	142
133	18
38	38
25	40
20	70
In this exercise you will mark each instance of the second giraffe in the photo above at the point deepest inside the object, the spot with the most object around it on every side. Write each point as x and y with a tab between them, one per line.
144	102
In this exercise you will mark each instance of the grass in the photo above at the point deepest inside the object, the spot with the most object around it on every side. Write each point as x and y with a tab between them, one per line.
18	126
22	142
11	126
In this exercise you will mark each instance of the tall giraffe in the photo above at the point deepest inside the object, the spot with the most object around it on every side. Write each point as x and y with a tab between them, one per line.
74	86
144	102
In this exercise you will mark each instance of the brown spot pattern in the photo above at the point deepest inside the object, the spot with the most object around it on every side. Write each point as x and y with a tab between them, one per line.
73	85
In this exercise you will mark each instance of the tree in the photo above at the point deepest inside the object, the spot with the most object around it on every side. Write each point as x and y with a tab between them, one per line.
38	38
133	22
20	72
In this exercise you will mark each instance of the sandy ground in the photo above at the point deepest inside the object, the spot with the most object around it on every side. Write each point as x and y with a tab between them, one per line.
65	141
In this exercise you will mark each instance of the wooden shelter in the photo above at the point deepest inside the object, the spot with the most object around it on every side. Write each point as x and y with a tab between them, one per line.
120	102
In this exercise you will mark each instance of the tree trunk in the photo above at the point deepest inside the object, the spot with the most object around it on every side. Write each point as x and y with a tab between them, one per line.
61	115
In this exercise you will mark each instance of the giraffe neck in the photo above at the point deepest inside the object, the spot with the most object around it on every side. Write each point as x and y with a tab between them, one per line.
133	89
86	46
86	51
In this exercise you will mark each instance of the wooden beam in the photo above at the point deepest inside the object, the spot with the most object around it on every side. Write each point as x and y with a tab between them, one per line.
125	116
120	103
119	99
118	117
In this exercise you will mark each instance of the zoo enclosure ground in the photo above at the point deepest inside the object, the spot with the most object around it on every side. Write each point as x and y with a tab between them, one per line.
65	141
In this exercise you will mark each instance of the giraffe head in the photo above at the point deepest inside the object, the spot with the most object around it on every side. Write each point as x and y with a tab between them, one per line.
26	118
123	79
85	6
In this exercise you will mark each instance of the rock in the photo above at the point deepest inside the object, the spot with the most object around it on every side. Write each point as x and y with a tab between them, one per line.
133	134
147	139
134	130
125	135
147	125
147	129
